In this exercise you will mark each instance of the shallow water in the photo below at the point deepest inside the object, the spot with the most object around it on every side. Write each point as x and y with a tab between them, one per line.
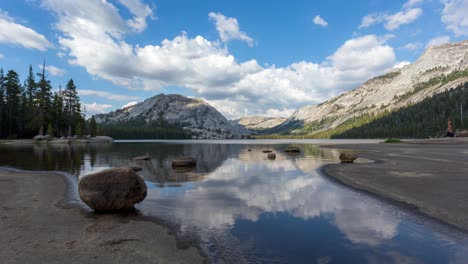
246	208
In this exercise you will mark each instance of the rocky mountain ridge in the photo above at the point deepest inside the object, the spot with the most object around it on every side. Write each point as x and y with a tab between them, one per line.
258	122
438	69
190	114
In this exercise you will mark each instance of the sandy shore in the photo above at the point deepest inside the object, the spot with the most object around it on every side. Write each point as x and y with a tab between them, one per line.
430	176
37	227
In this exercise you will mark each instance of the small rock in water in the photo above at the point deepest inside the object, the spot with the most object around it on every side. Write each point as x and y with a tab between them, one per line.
135	168
184	162
145	157
271	156
348	157
292	149
267	151
117	189
249	150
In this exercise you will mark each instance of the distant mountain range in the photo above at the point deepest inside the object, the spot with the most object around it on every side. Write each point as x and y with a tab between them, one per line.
438	69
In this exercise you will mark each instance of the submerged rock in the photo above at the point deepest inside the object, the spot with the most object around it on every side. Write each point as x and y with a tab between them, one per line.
59	141
145	157
184	162
116	189
267	151
271	156
292	149
348	157
135	168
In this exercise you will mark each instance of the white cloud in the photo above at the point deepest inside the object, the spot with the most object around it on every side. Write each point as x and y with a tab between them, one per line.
438	41
403	17
95	108
107	95
209	70
16	34
454	16
228	28
412	3
129	104
2	56
401	64
412	46
54	71
320	21
141	11
392	22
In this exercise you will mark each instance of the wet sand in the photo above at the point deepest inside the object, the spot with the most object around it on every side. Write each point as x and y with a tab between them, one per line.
37	226
431	175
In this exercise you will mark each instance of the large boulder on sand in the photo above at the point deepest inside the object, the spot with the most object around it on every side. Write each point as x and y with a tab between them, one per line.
348	157
116	189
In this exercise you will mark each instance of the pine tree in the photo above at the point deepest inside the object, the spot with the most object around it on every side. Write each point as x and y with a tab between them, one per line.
30	86
13	97
58	117
72	105
43	95
50	131
2	104
93	127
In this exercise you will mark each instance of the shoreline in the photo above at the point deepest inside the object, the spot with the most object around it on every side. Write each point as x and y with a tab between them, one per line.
39	223
430	177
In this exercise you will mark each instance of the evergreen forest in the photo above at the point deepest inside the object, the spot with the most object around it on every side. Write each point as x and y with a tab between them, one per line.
33	108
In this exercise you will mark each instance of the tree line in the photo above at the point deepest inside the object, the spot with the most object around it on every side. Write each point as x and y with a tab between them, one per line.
140	129
32	108
427	118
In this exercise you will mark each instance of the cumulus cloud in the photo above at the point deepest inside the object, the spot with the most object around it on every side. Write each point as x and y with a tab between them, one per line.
406	15
2	56
401	64
438	41
107	95
228	28
454	16
16	34
412	3
412	46
141	11
129	104
207	69
403	17
52	70
320	21
95	108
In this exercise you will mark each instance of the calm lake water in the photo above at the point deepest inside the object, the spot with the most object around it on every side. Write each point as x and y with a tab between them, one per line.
245	208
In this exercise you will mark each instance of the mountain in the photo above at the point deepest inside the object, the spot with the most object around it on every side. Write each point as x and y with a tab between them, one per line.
258	122
438	69
176	111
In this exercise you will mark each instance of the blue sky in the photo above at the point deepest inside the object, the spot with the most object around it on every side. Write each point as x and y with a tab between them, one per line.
243	57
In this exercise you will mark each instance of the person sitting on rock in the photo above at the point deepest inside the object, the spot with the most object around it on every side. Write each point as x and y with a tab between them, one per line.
450	130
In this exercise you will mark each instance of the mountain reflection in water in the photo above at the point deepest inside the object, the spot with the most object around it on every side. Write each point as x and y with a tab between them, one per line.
246	208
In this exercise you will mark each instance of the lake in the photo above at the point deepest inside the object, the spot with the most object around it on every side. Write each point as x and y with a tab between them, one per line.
244	208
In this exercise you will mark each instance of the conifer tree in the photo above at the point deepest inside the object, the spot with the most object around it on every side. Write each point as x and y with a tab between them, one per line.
72	105
43	95
30	86
2	104
13	97
93	127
